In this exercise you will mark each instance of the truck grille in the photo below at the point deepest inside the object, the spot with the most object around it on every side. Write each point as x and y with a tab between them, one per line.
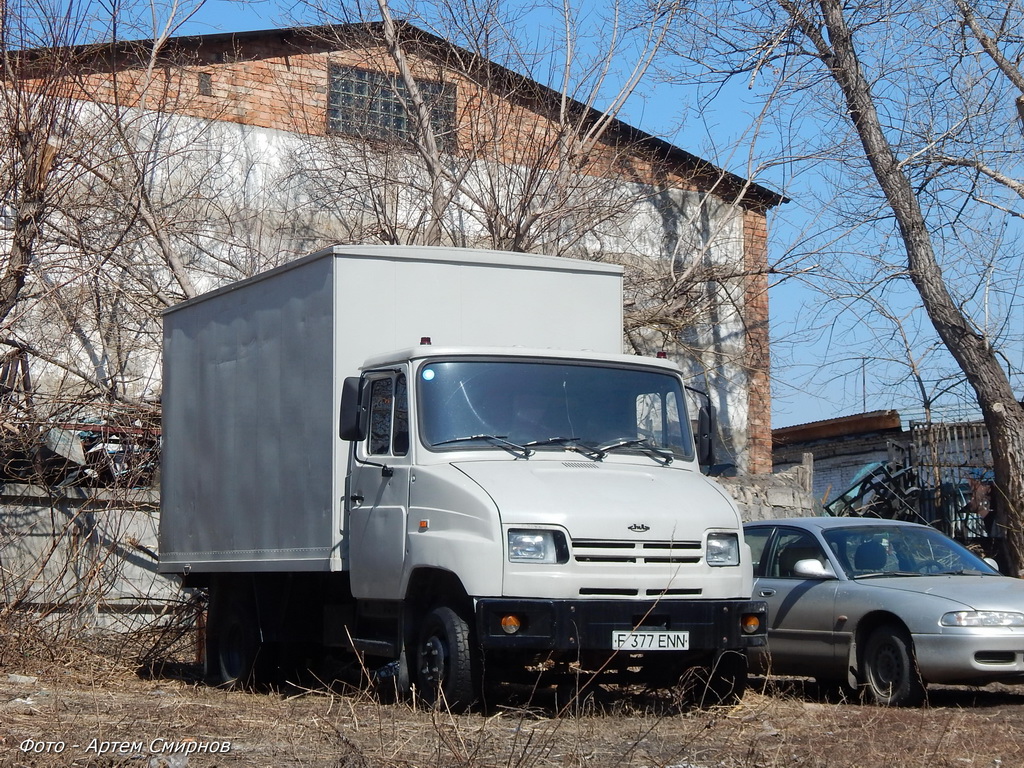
639	552
625	592
652	562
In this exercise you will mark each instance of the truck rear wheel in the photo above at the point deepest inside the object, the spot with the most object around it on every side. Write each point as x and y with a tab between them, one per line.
232	638
445	662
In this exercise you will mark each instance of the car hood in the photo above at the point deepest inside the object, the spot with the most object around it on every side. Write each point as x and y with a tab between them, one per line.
602	500
973	591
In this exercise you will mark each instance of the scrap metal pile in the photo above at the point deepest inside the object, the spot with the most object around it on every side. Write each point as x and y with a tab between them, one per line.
58	442
959	504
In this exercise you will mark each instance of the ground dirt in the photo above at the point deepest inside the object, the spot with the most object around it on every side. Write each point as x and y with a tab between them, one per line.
101	708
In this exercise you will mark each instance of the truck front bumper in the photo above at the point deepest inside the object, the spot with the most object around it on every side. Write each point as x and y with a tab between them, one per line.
584	625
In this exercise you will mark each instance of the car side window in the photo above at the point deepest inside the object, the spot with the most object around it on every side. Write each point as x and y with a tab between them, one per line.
792	546
757	540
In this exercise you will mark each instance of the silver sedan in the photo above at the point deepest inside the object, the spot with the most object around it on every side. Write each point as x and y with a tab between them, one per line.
883	606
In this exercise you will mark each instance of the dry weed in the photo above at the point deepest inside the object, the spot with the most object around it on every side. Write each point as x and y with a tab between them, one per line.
87	693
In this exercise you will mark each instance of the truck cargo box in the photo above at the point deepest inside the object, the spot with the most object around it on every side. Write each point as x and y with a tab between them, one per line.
253	372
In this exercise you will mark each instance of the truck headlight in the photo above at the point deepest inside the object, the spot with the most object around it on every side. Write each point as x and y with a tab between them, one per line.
537	547
723	549
982	619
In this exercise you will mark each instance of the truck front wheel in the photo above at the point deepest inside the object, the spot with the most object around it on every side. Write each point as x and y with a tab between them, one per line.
445	662
720	682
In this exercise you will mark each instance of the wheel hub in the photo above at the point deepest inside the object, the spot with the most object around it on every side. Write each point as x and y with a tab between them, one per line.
432	659
888	667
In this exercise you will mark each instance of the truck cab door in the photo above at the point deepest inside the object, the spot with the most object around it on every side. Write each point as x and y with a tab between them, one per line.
378	490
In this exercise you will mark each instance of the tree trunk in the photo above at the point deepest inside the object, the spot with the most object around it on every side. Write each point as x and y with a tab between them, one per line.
1004	416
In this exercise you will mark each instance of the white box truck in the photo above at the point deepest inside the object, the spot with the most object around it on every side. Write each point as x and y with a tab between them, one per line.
440	459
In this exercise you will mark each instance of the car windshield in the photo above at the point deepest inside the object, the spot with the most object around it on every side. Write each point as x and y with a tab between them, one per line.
537	405
883	550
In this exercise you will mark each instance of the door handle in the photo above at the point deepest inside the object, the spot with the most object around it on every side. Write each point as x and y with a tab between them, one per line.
766	592
356	498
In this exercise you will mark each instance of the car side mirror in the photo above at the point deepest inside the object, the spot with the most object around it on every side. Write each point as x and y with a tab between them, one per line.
813	569
352	424
991	563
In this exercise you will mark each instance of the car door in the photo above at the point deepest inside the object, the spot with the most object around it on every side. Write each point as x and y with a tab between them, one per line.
801	611
378	491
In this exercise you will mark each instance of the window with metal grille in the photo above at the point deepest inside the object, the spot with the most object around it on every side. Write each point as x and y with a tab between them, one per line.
205	84
372	105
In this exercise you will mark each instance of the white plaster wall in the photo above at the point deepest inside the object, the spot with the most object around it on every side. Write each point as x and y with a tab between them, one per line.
233	200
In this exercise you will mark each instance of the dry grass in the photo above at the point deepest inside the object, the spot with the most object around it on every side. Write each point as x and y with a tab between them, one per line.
85	691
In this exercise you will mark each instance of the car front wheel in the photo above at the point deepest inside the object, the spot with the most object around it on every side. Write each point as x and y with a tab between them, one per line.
889	669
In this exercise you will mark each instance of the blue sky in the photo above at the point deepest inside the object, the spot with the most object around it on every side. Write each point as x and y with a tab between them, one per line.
821	368
233	16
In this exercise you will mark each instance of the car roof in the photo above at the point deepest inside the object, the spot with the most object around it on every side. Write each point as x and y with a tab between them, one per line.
825	523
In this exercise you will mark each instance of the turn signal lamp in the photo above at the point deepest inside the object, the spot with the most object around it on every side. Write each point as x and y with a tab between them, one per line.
751	623
510	624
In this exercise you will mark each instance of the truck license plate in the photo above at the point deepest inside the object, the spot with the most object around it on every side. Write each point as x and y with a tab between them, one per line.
650	640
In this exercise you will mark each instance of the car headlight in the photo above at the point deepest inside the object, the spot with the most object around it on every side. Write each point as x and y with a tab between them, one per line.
723	549
537	547
982	619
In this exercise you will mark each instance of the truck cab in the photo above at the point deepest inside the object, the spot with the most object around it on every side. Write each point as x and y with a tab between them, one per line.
541	509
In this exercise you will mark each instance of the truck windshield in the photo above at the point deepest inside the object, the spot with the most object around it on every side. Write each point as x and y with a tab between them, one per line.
474	404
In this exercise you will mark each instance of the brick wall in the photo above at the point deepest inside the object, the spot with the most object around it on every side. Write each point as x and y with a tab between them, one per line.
275	84
278	82
758	362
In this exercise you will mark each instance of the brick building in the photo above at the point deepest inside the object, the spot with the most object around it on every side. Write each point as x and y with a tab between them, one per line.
841	448
238	151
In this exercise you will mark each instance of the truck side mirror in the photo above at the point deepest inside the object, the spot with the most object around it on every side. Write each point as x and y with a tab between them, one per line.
352	425
705	436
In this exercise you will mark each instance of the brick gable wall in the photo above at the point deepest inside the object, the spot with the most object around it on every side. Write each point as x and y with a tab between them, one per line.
280	83
758	361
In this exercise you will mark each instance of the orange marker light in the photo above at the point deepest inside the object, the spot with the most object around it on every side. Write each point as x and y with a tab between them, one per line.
751	623
510	624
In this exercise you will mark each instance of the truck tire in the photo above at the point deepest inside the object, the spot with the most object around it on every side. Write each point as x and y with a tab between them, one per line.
889	669
722	682
232	639
446	666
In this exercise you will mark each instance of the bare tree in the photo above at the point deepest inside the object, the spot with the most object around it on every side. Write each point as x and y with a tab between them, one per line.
516	144
57	558
35	120
901	92
513	164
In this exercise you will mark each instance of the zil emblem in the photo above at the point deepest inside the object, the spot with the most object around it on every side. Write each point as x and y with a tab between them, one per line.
639	528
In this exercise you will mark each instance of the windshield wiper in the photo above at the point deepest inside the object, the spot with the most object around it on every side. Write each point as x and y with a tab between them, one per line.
881	574
571	444
551	441
515	449
638	442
